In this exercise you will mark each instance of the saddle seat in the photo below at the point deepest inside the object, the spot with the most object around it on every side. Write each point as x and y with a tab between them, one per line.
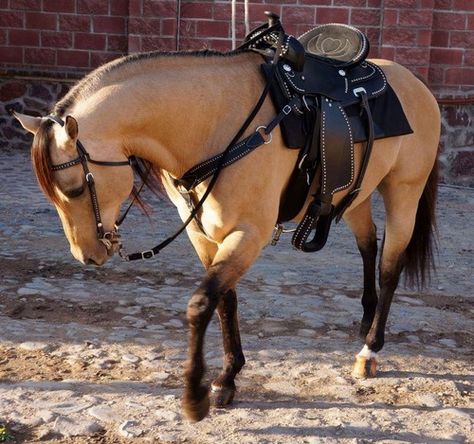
339	44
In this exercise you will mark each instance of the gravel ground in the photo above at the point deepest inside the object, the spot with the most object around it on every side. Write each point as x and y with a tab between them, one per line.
96	354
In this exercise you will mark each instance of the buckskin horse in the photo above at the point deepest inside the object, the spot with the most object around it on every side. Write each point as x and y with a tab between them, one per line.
173	111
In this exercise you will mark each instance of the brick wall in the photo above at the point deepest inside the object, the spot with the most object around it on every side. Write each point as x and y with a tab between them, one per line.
64	36
434	38
67	38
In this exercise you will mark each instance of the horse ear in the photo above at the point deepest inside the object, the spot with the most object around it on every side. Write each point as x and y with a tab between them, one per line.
72	128
30	123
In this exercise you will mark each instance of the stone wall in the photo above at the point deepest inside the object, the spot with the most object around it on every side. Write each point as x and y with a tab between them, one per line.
37	96
457	144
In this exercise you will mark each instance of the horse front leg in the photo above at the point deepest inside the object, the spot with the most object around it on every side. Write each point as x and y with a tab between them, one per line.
223	387
235	254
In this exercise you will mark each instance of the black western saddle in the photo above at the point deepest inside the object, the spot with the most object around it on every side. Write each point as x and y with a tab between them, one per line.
327	97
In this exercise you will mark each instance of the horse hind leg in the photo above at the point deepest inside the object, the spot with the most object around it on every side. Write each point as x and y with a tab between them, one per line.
361	223
406	221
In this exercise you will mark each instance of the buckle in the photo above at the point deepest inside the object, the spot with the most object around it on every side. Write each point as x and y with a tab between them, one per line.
286	110
147	254
89	178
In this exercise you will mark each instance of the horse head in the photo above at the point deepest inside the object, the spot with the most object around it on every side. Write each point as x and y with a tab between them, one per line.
86	193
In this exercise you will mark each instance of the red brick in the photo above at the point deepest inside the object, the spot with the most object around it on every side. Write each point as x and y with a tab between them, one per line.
415	18
197	10
374	52
26	5
449	21
366	17
390	18
56	39
39	20
187	28
413	56
10	54
426	4
99	58
446	56
117	43
69	22
158	8
222	11
463	5
424	37
348	3
135	8
421	71
461	39
59	5
40	56
168	27
399	3
436	75
89	41
3	36
221	45
298	14
442	4
143	26
395	36
119	7
470	22
4	4
460	76
134	43
73	58
387	52
187	44
11	19
315	2
93	6
373	34
114	25
374	3
24	37
440	39
212	29
158	44
332	15
469	58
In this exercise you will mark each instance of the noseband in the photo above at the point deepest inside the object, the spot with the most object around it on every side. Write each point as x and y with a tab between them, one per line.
83	158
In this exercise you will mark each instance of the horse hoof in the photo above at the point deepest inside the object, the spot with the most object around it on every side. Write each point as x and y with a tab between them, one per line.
364	368
196	408
222	396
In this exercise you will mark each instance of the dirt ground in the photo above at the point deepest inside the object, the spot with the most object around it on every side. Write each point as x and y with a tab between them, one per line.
95	355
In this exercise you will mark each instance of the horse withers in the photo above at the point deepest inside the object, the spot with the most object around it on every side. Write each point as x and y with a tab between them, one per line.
177	110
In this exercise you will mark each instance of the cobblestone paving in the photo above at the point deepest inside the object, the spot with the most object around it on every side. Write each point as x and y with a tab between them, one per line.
96	354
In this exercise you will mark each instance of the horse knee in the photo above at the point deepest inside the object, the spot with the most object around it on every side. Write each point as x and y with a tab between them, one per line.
202	303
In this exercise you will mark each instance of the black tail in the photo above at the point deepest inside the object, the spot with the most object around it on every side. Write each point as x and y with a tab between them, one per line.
419	255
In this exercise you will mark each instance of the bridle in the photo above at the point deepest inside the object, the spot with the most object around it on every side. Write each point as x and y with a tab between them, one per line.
108	238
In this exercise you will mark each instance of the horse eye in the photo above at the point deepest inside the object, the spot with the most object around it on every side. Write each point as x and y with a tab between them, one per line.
76	192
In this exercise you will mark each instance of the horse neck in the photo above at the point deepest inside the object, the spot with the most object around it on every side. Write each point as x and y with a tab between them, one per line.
177	111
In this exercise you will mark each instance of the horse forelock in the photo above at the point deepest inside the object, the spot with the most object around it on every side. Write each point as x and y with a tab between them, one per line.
41	160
